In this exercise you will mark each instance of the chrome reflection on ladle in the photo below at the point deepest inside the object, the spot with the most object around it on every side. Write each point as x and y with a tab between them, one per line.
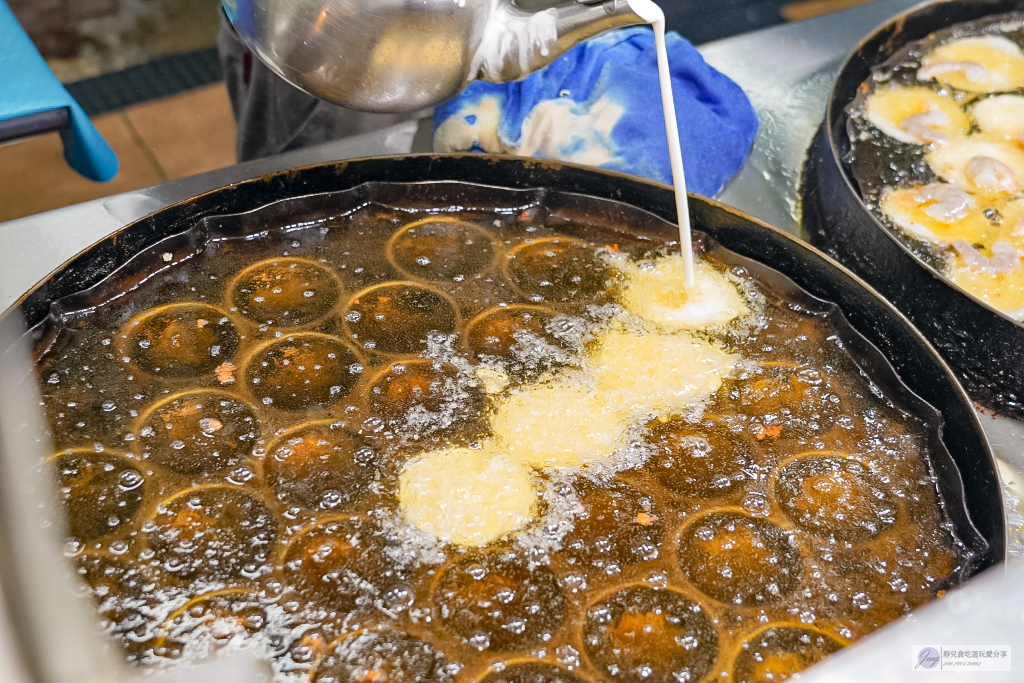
391	55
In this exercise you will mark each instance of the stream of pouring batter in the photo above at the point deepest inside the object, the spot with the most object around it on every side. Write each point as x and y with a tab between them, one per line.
652	14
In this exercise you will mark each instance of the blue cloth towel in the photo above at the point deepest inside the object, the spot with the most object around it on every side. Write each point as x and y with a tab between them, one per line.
27	86
600	104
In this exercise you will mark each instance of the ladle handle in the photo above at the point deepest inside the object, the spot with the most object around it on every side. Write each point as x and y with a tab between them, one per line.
541	37
584	19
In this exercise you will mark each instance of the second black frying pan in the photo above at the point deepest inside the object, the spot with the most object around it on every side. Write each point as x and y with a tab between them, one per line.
985	347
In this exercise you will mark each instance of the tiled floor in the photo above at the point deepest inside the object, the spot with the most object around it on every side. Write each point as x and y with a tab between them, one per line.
155	141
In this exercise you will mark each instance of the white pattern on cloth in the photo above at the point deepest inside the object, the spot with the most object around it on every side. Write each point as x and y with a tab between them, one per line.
557	129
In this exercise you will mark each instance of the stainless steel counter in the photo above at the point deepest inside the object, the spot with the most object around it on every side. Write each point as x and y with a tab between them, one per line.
787	72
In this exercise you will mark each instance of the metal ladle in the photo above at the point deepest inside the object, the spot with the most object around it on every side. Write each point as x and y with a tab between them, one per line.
404	55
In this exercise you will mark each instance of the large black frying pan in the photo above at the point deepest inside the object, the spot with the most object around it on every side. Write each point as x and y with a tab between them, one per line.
985	347
961	459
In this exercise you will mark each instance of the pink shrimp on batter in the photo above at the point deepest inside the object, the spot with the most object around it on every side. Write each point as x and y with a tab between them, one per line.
972	71
946	202
1005	257
990	174
922	126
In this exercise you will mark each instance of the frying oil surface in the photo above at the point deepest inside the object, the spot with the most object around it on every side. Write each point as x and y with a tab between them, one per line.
480	448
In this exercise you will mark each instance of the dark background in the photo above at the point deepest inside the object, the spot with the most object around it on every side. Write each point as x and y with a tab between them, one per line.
702	21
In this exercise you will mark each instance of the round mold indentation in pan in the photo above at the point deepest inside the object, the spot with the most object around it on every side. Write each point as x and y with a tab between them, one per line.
338	563
212	533
320	465
530	672
210	621
641	635
787	401
382	656
558	269
396	317
701	459
831	494
452	399
778	651
441	248
302	371
101	492
196	432
498	332
492	600
285	291
181	340
617	527
739	559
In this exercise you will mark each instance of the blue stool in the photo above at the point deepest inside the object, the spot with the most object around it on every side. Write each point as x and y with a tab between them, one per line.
33	101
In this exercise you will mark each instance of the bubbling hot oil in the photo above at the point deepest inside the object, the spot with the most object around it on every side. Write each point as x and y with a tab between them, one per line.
745	525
